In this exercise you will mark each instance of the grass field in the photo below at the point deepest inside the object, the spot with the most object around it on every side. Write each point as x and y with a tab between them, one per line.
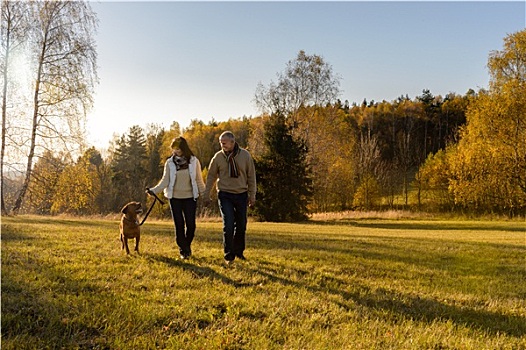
328	284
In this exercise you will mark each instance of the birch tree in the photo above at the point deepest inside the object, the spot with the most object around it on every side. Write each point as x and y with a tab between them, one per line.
489	168
306	81
63	53
13	29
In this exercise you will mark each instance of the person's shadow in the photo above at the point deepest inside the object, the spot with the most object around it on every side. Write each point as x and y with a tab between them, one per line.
197	271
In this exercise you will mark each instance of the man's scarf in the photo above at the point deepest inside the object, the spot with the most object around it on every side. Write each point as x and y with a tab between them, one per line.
230	159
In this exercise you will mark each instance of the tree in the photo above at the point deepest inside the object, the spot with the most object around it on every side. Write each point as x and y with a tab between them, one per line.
64	54
489	167
303	89
408	141
368	166
430	118
154	147
453	111
331	164
367	194
43	189
14	27
203	139
508	66
284	185
130	167
434	177
78	189
307	81
168	135
100	173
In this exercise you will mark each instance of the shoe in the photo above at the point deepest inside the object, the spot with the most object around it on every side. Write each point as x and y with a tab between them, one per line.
183	257
229	262
241	256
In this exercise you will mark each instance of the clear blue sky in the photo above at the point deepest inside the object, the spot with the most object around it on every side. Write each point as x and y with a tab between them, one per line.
161	62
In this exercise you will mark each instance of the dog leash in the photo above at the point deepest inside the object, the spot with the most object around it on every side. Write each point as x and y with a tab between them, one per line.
151	206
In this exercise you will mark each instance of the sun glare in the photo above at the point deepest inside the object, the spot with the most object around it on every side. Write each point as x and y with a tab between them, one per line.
21	70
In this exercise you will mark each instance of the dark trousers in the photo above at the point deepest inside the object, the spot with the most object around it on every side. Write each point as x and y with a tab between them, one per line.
234	212
183	211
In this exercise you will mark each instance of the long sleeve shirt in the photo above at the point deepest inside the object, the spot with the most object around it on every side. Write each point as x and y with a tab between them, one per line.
218	170
169	178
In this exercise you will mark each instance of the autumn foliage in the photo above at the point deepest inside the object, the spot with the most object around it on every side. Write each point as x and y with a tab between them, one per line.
463	153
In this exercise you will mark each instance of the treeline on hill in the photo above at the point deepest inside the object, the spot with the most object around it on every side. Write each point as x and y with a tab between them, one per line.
364	156
313	153
400	154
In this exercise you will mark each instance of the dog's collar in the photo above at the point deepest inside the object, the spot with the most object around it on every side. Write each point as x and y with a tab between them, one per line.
136	222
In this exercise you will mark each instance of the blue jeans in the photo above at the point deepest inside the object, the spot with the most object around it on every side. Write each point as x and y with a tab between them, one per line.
183	211
234	212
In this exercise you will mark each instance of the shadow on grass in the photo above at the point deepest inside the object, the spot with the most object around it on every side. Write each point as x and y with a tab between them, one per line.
196	270
9	234
395	305
410	251
431	310
418	225
49	322
52	220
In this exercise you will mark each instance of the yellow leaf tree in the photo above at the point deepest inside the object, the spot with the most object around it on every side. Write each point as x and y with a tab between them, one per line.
489	167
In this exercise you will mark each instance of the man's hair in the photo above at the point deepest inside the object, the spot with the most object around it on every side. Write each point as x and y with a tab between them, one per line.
227	134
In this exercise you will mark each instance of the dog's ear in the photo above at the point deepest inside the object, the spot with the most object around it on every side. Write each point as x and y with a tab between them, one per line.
124	209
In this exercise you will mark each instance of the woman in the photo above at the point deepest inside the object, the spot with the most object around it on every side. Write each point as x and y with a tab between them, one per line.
182	183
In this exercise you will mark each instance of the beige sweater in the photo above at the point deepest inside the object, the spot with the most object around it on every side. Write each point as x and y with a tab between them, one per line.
168	181
218	170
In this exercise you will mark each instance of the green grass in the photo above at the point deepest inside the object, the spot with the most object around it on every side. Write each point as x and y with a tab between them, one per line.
334	284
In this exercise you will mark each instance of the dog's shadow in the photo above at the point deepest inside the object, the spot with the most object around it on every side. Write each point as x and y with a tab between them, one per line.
197	271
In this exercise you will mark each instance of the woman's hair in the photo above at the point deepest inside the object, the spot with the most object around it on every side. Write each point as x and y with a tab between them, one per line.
180	142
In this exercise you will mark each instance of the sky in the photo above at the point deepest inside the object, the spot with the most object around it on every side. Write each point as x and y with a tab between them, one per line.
160	62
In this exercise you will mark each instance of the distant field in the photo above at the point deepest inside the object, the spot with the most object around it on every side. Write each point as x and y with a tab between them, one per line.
352	283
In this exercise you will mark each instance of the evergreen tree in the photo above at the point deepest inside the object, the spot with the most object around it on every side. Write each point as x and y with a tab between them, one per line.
284	185
129	167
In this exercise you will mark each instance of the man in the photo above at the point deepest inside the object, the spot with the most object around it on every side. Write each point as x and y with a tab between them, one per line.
233	168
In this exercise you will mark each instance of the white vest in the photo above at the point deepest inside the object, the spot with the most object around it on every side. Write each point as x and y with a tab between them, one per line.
192	165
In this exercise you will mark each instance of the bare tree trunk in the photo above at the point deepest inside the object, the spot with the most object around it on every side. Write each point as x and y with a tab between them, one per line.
14	27
4	116
21	195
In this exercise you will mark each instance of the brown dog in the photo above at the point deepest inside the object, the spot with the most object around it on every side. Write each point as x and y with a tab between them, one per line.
129	226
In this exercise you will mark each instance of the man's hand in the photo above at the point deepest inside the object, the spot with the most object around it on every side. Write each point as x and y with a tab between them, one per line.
251	202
